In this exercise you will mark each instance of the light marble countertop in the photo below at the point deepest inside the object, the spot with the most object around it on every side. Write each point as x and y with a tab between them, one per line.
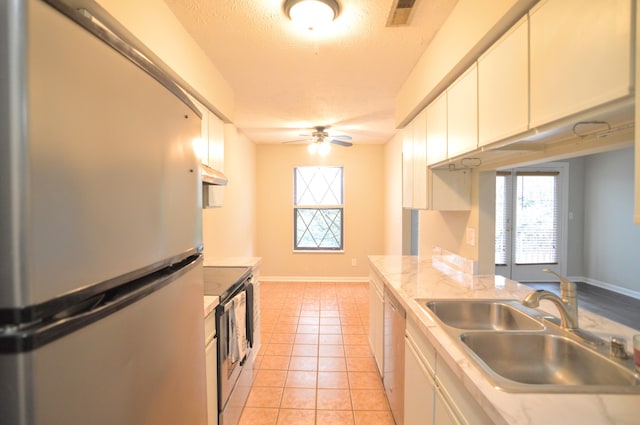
409	278
210	302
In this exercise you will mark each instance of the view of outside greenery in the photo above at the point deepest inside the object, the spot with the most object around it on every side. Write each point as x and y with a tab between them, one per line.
318	208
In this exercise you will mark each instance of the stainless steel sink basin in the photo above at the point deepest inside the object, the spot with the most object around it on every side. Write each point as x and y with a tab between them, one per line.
535	362
482	315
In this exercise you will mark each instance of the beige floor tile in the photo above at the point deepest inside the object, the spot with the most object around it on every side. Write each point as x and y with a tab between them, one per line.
365	380
278	338
303	363
334	417
352	329
330	339
308	350
258	416
355	339
306	339
309	320
361	364
331	351
333	380
275	362
301	379
278	349
270	378
369	400
330	313
333	399
296	417
298	398
364	417
329	321
332	364
308	329
356	351
330	330
264	397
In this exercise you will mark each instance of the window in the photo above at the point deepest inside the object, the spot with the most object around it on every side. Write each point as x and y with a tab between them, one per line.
318	208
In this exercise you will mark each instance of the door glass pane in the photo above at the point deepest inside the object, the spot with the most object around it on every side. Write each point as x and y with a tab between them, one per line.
536	217
502	242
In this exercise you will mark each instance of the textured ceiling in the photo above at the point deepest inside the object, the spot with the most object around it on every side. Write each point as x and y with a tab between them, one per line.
286	80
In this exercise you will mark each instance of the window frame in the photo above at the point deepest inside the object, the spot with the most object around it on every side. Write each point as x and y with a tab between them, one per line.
317	207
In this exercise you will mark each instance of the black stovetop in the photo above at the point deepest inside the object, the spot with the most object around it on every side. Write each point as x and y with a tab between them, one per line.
222	281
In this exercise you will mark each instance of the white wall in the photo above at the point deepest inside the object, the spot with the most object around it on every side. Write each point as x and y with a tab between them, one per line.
393	214
575	225
611	239
363	212
153	23
230	231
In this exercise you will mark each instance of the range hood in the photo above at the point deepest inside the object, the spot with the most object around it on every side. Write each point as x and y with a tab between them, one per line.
213	182
212	177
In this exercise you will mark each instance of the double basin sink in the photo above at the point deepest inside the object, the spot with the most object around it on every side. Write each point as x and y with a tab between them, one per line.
520	351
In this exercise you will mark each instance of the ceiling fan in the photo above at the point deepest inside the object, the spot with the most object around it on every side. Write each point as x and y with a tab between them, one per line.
320	135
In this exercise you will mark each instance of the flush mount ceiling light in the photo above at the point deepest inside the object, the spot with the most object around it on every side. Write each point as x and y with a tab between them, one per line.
311	14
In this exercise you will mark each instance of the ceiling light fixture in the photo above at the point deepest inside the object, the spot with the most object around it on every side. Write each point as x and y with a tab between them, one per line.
311	14
321	148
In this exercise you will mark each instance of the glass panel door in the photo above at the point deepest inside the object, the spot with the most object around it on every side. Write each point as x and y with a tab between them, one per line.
529	208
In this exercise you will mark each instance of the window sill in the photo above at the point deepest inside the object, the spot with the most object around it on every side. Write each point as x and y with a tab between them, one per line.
318	251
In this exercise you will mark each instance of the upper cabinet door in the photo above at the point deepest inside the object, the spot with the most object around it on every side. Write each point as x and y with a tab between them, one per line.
407	166
462	116
503	86
580	56
420	161
437	130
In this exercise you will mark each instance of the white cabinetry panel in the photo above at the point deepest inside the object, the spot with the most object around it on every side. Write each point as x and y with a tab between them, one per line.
580	56
462	113
437	130
503	86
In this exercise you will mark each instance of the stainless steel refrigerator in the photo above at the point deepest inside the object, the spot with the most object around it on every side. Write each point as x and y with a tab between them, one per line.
101	314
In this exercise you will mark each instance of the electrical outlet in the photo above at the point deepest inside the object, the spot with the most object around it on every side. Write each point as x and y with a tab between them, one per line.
354	262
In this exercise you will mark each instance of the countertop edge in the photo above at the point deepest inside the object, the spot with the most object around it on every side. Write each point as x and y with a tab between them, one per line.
404	276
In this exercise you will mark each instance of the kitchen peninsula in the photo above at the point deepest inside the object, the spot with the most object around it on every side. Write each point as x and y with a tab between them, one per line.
409	278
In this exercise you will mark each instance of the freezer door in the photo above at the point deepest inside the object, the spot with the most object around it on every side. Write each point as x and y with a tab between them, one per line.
104	176
142	365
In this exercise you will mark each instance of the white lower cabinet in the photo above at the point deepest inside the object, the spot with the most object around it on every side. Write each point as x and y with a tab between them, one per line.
419	388
211	362
376	320
433	394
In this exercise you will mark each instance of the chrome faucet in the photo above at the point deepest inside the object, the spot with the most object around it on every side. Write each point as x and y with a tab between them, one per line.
567	303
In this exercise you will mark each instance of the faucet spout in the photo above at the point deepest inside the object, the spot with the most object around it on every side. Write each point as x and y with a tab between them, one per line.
567	303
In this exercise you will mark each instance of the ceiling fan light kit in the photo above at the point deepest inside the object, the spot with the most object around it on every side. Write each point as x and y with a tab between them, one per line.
311	14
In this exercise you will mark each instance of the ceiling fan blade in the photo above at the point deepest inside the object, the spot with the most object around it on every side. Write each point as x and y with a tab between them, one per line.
308	139
342	137
341	143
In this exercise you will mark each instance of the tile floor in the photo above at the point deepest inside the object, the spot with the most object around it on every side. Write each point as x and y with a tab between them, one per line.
315	365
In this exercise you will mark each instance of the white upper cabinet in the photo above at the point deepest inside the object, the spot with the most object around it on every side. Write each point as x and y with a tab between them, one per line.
216	142
503	86
437	130
414	163
407	166
462	113
580	53
420	161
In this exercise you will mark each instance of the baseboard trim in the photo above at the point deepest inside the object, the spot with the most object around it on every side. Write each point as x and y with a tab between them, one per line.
304	279
608	286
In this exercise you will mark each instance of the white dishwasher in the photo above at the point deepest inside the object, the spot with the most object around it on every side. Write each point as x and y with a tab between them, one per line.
211	359
393	362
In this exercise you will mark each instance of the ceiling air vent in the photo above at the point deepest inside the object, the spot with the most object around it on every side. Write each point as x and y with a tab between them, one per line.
401	12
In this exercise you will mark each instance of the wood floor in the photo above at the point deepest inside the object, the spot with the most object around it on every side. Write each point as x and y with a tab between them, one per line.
617	307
